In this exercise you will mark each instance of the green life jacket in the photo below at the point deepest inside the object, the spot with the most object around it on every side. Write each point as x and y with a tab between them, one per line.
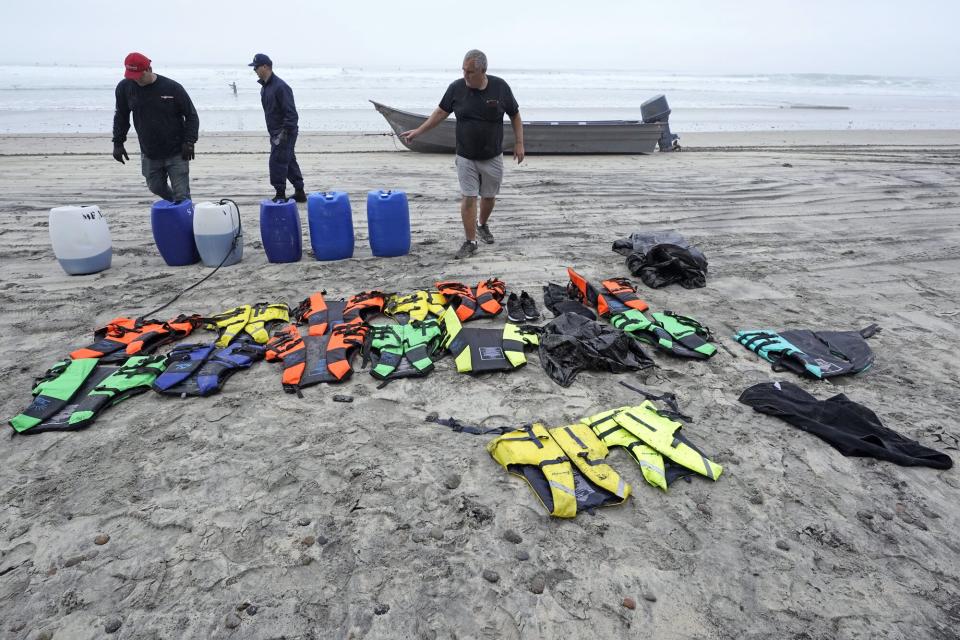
479	350
654	441
403	350
667	331
53	392
134	377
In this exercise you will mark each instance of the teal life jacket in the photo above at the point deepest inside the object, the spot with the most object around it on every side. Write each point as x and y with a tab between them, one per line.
819	354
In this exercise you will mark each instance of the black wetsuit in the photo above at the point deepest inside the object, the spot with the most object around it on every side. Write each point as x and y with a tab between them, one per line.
849	427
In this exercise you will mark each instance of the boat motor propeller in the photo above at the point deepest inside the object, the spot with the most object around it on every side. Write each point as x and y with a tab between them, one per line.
656	110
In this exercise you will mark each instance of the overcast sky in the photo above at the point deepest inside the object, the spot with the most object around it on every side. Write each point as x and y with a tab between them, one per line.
746	36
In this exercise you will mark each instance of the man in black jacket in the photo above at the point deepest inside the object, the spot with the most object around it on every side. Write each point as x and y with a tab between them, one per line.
280	112
479	102
167	126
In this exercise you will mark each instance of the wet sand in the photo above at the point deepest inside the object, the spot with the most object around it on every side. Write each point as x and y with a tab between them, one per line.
364	521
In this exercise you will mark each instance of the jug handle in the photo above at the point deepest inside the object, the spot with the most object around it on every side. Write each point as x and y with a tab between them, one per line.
239	221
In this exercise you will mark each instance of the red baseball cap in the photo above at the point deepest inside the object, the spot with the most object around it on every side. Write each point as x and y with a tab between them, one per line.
136	64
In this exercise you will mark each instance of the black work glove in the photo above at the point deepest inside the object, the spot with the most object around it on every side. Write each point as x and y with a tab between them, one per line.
186	151
280	138
119	153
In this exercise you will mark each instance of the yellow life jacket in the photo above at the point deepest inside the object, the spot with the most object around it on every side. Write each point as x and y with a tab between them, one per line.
564	467
229	323
253	319
609	431
476	350
415	306
654	441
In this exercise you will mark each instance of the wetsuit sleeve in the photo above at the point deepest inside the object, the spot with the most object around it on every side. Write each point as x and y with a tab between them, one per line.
289	109
121	116
446	102
191	121
509	102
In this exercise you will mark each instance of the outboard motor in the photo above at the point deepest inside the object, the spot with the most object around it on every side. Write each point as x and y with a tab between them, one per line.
655	110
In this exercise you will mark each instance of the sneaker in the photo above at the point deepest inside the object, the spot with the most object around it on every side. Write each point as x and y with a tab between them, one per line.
466	250
281	196
514	308
528	306
483	231
300	195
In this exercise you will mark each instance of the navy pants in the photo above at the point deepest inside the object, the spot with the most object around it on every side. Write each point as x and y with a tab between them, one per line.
159	171
283	165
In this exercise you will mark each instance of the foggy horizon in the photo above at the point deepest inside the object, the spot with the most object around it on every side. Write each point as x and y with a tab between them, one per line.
686	37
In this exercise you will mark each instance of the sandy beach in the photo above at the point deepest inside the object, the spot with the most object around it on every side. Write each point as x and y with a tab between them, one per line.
362	520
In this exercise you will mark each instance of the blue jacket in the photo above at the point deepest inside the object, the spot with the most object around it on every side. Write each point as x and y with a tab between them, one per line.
279	109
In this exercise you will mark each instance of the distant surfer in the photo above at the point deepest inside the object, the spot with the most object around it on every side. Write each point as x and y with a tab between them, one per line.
233	85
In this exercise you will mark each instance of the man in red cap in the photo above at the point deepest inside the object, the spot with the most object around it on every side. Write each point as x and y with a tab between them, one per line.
167	126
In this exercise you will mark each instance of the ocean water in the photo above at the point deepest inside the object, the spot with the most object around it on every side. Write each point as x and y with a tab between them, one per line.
80	99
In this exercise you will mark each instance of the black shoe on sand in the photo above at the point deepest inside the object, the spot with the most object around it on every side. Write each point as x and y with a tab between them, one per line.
483	231
514	308
529	307
466	250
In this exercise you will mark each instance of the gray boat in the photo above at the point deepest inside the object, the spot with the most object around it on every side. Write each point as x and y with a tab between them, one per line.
539	137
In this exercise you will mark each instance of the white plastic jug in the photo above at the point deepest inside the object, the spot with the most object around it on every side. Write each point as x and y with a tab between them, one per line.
81	239
217	232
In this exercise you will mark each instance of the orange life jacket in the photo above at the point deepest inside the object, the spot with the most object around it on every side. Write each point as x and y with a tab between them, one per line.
485	303
364	305
319	315
617	294
124	337
624	291
312	359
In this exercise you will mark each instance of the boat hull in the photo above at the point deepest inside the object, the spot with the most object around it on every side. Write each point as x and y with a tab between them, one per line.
539	137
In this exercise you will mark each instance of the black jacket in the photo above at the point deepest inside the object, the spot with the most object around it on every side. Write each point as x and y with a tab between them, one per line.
279	109
163	116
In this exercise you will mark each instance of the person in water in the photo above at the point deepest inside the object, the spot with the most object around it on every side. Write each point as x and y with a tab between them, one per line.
166	123
479	102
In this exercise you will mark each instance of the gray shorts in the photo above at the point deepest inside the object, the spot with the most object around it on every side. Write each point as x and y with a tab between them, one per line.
480	177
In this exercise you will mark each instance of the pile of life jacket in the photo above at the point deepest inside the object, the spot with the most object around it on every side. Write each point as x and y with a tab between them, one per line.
616	300
565	467
118	364
122	362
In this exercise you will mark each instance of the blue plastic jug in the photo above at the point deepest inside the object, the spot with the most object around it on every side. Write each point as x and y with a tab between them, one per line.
280	230
172	225
388	223
331	225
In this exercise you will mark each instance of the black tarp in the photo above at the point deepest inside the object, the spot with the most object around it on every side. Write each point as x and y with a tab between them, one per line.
660	258
571	343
